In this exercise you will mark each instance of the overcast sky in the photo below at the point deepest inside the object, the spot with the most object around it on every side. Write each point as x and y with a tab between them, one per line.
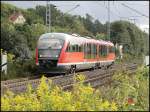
98	9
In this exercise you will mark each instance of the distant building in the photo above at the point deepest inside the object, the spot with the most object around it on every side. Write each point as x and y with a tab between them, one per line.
17	18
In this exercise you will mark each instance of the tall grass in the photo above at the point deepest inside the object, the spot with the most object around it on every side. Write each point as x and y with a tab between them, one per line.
127	92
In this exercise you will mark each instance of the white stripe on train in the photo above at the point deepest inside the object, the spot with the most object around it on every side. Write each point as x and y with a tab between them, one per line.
60	64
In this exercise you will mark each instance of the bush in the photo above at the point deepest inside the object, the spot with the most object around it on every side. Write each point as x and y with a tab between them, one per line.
130	92
127	92
48	97
20	68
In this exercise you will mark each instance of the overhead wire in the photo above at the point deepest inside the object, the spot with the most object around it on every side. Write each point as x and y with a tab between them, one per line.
137	4
135	10
110	10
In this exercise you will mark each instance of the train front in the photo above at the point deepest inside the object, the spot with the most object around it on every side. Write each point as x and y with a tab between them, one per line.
48	50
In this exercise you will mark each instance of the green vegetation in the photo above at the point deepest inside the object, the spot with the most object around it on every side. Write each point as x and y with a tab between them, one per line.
130	91
135	41
20	40
127	92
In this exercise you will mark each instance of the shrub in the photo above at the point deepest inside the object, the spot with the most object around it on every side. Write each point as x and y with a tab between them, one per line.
20	68
130	92
127	92
48	97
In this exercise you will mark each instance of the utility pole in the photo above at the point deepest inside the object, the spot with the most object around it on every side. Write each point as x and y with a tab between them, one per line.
108	26
48	16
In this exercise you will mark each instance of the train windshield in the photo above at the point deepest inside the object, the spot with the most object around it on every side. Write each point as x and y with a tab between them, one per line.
50	47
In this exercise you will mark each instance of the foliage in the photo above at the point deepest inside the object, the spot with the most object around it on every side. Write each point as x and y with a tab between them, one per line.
7	10
130	36
128	58
13	41
10	57
21	40
19	68
130	92
101	36
127	92
135	41
48	97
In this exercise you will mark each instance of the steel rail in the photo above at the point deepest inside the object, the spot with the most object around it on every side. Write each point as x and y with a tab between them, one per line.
63	81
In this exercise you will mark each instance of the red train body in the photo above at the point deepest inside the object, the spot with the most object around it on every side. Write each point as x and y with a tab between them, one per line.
60	52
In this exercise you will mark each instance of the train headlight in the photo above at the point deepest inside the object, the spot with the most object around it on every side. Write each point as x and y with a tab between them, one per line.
37	64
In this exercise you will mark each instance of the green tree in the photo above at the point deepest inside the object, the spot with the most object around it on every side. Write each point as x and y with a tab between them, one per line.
130	36
101	36
34	32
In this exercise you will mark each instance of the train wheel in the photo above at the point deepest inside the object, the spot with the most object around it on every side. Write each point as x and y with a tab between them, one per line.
72	69
97	66
94	68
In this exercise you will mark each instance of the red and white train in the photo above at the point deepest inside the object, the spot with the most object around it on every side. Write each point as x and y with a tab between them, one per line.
60	52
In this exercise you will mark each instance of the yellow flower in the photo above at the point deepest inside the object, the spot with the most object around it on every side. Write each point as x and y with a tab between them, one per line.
43	87
105	104
29	88
77	105
69	107
113	106
5	105
19	99
88	90
80	77
18	107
67	96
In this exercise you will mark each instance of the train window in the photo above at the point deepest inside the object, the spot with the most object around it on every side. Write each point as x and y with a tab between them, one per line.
94	51
73	48
76	50
90	51
84	49
50	43
107	49
87	51
110	49
104	50
100	50
80	48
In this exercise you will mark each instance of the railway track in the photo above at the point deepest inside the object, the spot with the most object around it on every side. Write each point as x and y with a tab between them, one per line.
95	78
101	79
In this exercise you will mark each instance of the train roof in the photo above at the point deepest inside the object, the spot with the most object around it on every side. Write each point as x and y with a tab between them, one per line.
65	36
